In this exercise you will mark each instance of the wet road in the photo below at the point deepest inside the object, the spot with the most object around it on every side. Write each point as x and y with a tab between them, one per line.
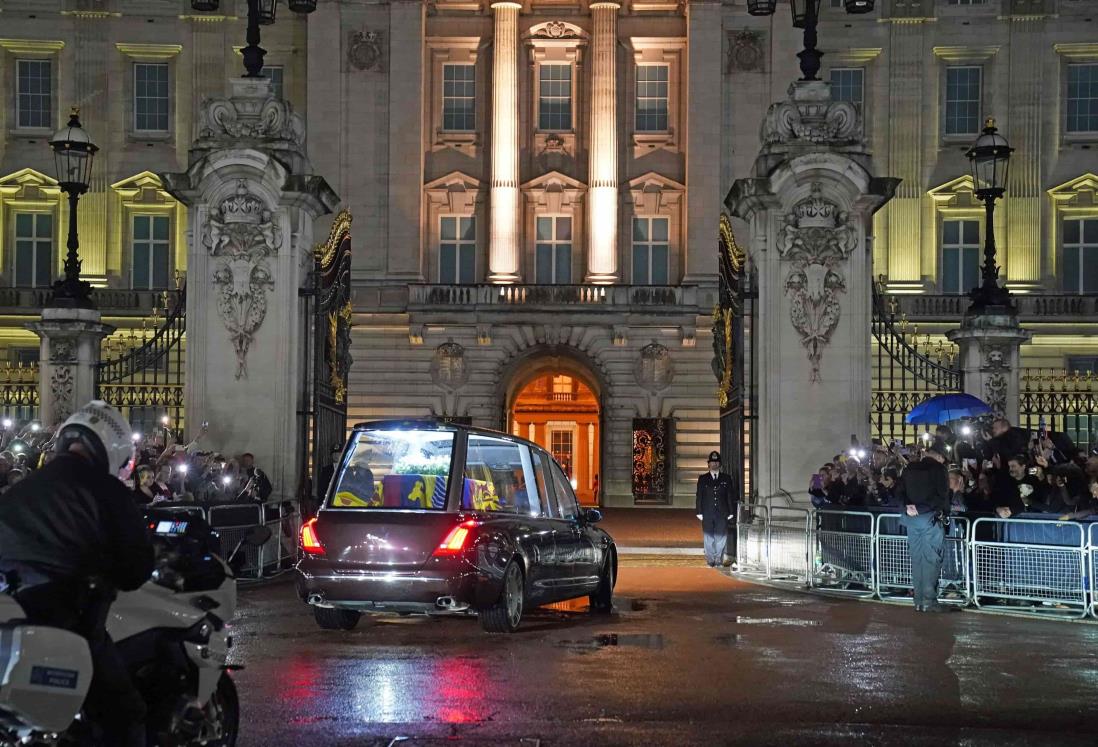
693	657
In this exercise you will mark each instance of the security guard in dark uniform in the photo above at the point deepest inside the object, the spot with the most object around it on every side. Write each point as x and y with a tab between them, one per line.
716	508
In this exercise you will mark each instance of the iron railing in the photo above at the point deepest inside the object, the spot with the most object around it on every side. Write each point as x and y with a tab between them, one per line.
906	371
143	376
593	296
1064	401
19	391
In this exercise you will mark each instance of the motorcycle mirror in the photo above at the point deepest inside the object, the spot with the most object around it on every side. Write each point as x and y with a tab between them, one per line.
258	536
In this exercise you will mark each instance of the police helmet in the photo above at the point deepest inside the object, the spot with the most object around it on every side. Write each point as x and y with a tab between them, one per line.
103	431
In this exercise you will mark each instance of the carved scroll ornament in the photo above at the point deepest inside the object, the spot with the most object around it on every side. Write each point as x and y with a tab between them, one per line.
812	116
240	235
816	239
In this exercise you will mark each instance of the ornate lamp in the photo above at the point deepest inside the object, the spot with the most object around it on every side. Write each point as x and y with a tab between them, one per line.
858	6
73	153
265	11
804	11
989	157
302	6
762	7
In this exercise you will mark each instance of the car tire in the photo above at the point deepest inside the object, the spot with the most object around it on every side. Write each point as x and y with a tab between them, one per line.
505	615
334	618
602	601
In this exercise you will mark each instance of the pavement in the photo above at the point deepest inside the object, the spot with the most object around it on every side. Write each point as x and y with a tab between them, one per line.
636	528
691	656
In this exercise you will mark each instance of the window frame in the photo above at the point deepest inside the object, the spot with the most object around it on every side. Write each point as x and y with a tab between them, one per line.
281	93
166	67
35	240
649	243
946	134
553	244
472	111
51	114
1068	132
459	244
525	460
666	98
960	245
1081	245
571	97
557	473
153	242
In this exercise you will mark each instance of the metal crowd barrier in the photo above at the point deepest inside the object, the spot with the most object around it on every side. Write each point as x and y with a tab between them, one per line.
1031	566
894	562
843	561
233	522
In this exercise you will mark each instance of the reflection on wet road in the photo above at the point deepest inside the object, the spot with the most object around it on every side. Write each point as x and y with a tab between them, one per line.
692	657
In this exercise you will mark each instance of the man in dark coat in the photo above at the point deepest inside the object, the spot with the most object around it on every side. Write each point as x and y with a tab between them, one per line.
924	492
716	508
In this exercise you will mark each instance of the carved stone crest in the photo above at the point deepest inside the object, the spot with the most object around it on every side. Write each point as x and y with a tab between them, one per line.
816	239
654	369
745	52
364	50
273	119
995	389
556	30
810	114
995	358
241	235
62	351
61	390
448	369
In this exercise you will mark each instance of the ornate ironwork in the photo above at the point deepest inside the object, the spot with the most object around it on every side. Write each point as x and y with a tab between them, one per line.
19	391
1063	400
907	369
141	372
651	437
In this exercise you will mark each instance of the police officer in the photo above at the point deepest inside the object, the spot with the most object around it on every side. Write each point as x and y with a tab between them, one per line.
923	490
716	506
69	522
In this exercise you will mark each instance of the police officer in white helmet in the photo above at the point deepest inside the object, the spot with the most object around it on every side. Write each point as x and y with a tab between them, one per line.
69	522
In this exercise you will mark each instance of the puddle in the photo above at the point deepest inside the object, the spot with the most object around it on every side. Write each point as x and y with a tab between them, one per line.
571	605
791	622
607	640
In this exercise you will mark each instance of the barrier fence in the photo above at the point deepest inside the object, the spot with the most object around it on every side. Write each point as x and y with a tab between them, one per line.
1019	565
233	521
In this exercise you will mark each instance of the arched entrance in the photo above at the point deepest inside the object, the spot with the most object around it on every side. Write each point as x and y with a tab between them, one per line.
555	403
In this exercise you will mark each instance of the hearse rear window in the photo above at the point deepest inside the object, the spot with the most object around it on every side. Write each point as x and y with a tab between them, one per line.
398	469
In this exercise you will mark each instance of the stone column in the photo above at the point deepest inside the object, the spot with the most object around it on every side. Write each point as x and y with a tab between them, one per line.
810	206
69	356
602	205
407	29
503	235
252	198
990	356
703	140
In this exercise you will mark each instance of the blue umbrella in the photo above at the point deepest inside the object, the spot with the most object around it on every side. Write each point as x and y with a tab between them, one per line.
946	407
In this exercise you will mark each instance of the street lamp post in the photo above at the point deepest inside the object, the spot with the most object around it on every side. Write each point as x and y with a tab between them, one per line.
989	157
260	13
806	15
73	153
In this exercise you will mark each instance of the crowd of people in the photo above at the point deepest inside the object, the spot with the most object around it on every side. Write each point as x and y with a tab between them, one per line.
163	469
995	469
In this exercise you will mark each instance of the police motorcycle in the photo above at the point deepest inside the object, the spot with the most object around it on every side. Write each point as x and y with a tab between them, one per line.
171	633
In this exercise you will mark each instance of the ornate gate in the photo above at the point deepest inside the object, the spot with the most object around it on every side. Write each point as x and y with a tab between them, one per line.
906	371
733	355
141	372
328	342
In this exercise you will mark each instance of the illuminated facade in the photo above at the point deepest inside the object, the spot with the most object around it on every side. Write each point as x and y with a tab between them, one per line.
536	186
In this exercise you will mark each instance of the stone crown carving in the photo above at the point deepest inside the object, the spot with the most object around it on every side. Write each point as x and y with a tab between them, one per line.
814	211
810	115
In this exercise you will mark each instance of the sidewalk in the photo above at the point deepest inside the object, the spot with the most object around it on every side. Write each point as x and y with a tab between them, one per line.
653	530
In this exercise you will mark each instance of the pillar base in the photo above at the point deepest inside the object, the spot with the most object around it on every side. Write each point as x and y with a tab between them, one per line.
69	360
990	356
504	278
595	278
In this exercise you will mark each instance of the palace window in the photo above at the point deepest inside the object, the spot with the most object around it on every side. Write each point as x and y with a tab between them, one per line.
151	252
960	255
847	84
1082	98
562	389
275	74
1080	255
34	93
150	96
652	97
650	251
554	249
457	249
459	98
555	97
962	100
33	250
